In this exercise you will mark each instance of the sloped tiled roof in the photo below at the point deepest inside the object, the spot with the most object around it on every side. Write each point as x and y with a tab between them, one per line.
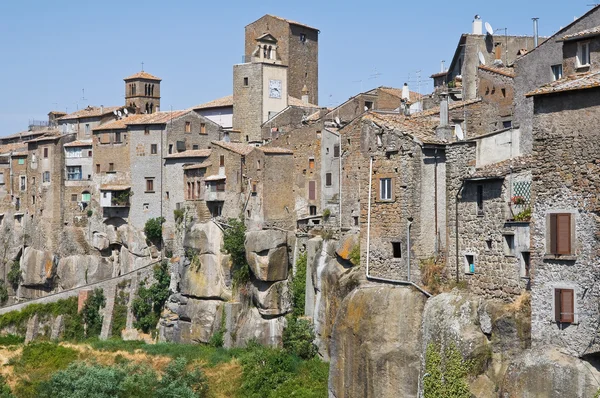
314	116
581	35
157	117
26	133
47	137
439	74
14	147
218	103
451	106
579	81
90	111
397	92
79	143
508	72
275	150
119	124
293	101
192	153
202	165
504	168
142	75
421	129
239	148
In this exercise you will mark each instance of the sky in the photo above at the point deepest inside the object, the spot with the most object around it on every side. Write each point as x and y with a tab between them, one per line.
64	55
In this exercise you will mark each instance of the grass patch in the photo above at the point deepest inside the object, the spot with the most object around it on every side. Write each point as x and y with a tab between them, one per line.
11	339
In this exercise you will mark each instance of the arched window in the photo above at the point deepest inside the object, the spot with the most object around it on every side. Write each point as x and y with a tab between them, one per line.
146	89
147	108
151	107
152	90
269	53
265	51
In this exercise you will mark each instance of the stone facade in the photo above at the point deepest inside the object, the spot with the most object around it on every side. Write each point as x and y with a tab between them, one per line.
565	178
297	47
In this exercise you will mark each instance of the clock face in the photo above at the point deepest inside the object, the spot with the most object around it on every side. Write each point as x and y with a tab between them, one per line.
275	88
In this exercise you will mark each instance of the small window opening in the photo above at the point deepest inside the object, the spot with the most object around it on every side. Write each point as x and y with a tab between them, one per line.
526	263
355	220
470	263
312	210
368	105
397	249
489	244
480	200
509	245
222	161
246	81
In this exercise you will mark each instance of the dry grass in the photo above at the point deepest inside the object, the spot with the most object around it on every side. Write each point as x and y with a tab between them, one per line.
225	379
521	304
109	358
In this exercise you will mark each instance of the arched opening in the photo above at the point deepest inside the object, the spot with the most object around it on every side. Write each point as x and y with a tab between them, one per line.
147	108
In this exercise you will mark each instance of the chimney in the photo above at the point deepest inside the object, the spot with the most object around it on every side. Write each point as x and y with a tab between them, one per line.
477	25
535	32
101	109
405	92
305	95
444	110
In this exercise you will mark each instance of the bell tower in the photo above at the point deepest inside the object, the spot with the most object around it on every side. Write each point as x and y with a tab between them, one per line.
142	92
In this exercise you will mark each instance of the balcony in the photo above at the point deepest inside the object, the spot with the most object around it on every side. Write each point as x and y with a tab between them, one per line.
215	188
115	196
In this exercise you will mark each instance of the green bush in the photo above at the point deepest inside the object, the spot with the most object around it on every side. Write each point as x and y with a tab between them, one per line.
178	215
355	255
3	292
5	391
446	372
233	243
98	381
119	320
310	381
149	302
153	229
89	213
326	214
14	276
264	369
90	314
298	338
299	286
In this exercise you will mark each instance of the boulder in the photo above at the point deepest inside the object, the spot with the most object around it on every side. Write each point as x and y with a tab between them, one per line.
202	277
134	240
271	265
374	343
79	270
271	299
38	267
346	245
189	320
260	241
250	325
546	372
204	238
100	241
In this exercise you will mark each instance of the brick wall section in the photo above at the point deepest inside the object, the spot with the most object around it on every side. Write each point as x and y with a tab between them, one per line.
490	90
566	146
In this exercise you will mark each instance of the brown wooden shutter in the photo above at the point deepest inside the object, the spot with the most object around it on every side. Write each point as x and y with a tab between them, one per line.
553	234
567	313
557	305
563	233
328	179
336	151
311	190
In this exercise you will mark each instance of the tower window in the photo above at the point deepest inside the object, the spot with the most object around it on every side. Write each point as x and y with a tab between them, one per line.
246	81
153	149
303	37
397	249
149	184
222	161
202	128
188	127
480	200
45	152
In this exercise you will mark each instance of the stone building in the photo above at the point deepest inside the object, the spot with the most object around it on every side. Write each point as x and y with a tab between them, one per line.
496	49
84	121
78	182
149	85
540	66
297	48
219	111
565	224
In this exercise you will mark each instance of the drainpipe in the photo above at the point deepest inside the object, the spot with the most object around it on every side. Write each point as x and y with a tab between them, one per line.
373	278
408	248
435	199
340	179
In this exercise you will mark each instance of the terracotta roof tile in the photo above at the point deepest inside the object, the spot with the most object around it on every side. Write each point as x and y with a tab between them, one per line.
202	165
581	35
156	117
90	111
215	177
192	153
508	72
452	106
439	74
397	92
292	22
47	137
239	148
504	168
142	75
79	143
421	129
579	81
26	133
218	103
105	187
314	116
14	147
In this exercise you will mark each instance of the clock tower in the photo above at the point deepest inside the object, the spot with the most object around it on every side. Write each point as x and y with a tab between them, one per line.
260	89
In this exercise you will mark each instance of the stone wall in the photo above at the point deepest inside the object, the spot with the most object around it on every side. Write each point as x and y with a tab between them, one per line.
247	115
565	179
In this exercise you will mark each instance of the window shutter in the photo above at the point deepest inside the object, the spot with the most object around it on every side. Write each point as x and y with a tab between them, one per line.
553	237
328	179
311	190
336	151
557	305
567	306
563	233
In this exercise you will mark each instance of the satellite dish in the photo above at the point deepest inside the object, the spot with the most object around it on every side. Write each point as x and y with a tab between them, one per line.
458	131
337	121
125	111
488	29
115	112
366	109
119	113
481	58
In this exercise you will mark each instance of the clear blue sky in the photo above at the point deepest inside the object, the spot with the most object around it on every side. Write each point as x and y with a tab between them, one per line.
51	50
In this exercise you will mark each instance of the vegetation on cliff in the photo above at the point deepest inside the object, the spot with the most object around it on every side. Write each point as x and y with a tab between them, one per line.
150	300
